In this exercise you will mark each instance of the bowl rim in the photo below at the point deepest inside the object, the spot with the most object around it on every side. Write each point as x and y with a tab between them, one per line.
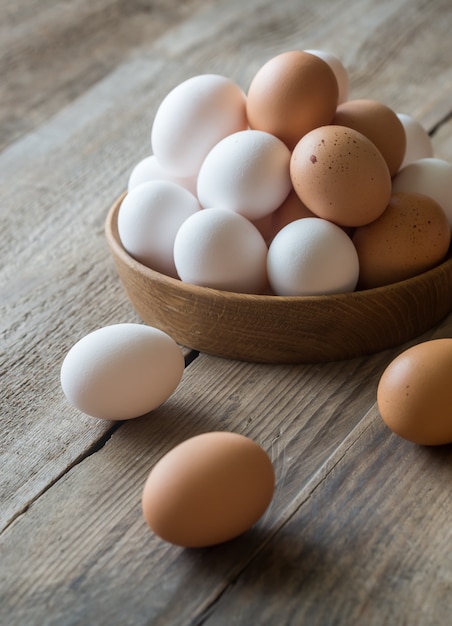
113	239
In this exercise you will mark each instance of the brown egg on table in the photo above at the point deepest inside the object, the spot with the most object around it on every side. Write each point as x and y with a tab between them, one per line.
340	175
290	210
208	489
410	237
291	94
414	394
377	122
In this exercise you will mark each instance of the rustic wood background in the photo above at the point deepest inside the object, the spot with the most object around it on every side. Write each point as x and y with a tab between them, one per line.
360	529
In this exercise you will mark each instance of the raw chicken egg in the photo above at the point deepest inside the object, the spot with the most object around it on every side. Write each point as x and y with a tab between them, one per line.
410	237
431	177
340	175
291	94
339	70
312	256
414	394
150	169
379	124
208	489
221	249
192	118
148	220
121	371
290	210
418	142
246	172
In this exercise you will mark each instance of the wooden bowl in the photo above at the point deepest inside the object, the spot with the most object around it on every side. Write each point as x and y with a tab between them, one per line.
281	329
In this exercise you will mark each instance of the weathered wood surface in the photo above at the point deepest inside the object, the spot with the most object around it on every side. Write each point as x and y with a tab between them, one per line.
360	527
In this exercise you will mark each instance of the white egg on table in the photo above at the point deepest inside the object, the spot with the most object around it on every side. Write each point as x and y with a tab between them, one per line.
121	371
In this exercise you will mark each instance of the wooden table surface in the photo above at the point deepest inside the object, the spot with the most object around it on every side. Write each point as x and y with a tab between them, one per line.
360	527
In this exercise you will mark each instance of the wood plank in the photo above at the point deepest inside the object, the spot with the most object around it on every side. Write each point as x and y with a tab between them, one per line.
57	278
53	52
442	140
85	537
373	534
70	558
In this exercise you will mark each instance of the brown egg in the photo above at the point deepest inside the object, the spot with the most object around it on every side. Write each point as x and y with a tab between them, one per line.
290	210
208	489
378	123
340	175
291	94
410	237
414	395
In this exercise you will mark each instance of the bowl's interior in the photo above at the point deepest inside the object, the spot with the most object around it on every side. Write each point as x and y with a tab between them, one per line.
275	329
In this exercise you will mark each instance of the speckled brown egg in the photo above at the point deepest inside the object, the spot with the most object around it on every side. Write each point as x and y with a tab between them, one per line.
414	394
291	94
340	175
410	237
378	123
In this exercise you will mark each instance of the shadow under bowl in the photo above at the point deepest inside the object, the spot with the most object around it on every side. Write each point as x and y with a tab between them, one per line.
282	329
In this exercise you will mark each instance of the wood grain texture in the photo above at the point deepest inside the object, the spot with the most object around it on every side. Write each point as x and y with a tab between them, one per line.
80	85
374	534
55	51
83	554
87	532
56	270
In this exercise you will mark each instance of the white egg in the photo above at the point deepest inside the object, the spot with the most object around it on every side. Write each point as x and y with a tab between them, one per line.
418	143
343	81
221	249
246	172
121	371
431	177
148	220
150	169
312	256
192	118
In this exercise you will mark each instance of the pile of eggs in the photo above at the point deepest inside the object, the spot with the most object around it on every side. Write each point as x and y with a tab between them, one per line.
289	189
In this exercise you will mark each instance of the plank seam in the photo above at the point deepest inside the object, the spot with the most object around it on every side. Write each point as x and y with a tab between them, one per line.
93	448
446	118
